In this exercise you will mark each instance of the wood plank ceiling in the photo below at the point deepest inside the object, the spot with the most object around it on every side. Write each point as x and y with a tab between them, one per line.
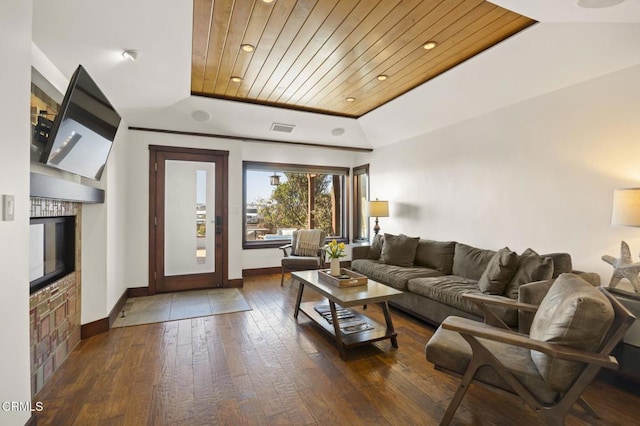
332	56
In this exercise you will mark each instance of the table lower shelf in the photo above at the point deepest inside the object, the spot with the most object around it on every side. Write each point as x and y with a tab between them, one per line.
378	332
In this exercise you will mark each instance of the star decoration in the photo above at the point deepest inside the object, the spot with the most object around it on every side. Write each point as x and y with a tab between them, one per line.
624	268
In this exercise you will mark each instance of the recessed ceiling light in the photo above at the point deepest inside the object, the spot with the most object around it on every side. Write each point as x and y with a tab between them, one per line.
268	1
236	79
382	77
248	48
598	4
429	45
350	99
338	131
130	54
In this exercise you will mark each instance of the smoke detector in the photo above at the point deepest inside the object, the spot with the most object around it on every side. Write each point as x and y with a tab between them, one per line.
284	128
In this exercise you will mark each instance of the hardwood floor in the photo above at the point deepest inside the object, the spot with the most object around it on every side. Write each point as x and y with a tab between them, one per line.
261	367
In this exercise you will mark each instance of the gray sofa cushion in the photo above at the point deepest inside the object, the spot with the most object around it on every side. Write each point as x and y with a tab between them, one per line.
399	250
532	267
470	262
436	255
394	276
574	314
449	290
499	272
561	263
376	247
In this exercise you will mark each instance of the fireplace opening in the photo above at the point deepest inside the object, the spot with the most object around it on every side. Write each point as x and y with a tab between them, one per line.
51	250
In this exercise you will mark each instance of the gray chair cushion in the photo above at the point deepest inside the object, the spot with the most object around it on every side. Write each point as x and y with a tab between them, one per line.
532	267
436	255
575	314
399	250
394	276
448	349
499	272
470	262
300	262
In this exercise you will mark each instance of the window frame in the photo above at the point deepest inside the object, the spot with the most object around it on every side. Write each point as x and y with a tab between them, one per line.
295	168
357	208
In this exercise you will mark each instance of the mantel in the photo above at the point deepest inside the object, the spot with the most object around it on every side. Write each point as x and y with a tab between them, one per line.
43	186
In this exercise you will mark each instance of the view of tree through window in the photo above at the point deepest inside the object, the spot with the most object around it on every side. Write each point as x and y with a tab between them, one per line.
296	199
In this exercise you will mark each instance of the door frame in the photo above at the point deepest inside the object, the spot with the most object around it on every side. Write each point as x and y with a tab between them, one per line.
156	211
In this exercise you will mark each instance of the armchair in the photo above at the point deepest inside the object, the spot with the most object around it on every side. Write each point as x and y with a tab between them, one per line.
306	251
572	335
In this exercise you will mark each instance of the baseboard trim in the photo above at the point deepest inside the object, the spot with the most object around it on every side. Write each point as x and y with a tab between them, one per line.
261	271
137	291
94	328
33	420
236	283
113	315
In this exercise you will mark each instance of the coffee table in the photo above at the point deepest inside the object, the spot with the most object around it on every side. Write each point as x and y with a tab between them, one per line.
372	293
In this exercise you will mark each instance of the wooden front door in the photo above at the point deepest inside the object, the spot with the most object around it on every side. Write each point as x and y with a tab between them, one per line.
188	219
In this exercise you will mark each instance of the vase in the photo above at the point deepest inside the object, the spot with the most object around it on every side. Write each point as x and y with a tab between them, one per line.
335	267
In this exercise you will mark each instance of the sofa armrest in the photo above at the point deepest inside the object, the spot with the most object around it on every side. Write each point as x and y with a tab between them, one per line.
590	277
360	252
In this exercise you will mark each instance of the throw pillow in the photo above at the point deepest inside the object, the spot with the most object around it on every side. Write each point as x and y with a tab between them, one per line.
376	247
499	272
573	313
399	250
532	267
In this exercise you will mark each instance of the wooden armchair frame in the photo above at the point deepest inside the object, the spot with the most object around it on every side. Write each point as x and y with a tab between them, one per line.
552	414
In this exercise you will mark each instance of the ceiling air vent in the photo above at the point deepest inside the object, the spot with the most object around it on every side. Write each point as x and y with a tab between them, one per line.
278	127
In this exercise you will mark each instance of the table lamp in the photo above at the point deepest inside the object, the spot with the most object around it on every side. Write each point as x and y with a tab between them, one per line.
625	212
378	209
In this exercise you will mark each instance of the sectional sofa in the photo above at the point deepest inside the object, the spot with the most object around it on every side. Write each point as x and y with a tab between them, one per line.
434	275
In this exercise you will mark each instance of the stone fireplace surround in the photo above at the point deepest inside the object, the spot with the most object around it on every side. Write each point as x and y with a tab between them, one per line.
54	311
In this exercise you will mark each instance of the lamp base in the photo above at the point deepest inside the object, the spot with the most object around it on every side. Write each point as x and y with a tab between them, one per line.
376	228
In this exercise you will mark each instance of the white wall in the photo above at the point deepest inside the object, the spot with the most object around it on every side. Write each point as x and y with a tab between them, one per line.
137	256
15	57
538	174
104	234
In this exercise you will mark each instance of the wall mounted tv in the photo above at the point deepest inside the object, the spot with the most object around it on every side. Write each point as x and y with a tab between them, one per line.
82	134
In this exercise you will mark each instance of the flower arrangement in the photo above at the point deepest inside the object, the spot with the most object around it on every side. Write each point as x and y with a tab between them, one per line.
334	250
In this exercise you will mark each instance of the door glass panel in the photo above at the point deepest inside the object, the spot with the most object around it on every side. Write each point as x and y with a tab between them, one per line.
189	213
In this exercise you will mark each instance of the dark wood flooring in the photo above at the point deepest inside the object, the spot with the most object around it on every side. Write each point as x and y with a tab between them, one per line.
262	367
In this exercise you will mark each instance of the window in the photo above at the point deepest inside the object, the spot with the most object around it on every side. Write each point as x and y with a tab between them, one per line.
280	198
360	197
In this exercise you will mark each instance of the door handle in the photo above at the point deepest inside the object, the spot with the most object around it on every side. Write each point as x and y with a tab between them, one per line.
218	225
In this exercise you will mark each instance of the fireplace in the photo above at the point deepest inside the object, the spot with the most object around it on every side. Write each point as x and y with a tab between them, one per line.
55	272
51	250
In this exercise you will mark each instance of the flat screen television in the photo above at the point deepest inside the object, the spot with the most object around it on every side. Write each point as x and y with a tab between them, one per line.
82	134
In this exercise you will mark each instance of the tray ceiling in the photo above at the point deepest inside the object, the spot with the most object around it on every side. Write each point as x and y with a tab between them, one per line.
332	56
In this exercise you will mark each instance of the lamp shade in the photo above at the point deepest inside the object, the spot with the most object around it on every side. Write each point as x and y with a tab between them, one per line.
379	208
626	207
